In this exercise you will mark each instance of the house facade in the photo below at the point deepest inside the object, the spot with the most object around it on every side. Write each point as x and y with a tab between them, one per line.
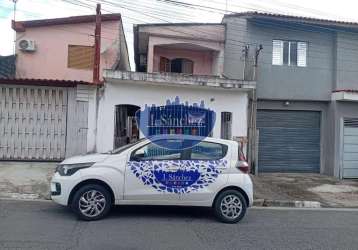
307	79
174	63
48	104
63	48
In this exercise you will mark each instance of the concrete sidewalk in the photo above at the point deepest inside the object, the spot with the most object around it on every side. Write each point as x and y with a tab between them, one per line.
26	180
329	191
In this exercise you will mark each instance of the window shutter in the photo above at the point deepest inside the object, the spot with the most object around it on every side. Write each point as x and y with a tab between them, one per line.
187	66
277	52
164	64
80	57
302	54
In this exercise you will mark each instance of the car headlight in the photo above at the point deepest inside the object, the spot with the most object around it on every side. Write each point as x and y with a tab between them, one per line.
70	169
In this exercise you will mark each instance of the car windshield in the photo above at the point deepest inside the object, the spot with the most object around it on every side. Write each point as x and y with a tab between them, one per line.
121	149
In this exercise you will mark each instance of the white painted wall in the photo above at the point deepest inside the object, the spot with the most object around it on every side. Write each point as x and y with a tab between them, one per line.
229	100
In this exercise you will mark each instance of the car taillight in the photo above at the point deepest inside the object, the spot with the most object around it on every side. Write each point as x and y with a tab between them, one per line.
243	166
242	157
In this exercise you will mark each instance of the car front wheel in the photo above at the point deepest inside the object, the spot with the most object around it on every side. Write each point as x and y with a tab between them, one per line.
91	202
230	206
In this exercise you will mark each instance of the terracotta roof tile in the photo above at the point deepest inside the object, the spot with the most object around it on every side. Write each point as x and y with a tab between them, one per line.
42	82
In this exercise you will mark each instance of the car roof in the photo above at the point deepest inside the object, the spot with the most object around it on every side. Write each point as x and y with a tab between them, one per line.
192	137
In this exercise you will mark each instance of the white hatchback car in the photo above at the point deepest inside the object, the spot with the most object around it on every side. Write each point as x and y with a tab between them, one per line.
209	173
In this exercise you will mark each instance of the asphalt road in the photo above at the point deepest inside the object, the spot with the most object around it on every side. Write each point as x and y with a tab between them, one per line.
45	225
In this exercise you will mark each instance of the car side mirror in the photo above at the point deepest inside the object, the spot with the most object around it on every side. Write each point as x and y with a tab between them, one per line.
137	155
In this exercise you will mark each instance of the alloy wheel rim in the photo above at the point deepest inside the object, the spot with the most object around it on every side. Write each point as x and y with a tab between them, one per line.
231	206
92	203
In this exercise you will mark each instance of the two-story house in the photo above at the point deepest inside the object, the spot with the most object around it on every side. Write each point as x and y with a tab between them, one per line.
181	63
48	111
63	48
307	82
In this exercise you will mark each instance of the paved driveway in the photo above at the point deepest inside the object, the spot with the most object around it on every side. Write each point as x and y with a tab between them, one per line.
329	191
44	225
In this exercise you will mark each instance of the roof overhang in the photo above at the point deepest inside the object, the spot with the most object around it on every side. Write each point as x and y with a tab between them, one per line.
296	20
173	79
20	26
43	82
345	95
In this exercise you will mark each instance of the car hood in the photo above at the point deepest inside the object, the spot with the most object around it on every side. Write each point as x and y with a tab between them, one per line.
85	158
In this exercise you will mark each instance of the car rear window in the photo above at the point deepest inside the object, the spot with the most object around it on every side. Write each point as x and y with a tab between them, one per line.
208	151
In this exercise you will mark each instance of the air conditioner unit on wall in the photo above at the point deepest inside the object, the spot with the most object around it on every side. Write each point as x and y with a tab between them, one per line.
27	45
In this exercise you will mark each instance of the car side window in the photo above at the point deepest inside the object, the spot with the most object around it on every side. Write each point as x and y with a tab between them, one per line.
208	151
152	152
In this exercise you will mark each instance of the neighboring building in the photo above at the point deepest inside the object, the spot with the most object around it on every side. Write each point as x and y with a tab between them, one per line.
177	60
188	48
49	110
7	66
63	48
307	82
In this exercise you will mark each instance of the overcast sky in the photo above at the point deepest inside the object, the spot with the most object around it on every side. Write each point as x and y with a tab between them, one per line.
156	11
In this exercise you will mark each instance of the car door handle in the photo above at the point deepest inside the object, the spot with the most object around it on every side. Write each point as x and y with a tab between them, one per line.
221	166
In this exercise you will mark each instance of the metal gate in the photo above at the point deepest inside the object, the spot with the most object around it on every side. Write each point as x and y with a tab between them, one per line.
289	141
32	122
350	148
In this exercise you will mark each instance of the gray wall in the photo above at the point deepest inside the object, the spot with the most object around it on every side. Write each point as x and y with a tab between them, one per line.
332	63
313	82
347	61
340	110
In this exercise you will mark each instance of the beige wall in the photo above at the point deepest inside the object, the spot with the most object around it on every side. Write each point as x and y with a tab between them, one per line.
210	61
202	59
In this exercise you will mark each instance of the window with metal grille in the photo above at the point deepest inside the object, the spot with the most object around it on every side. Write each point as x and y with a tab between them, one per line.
226	125
80	57
292	53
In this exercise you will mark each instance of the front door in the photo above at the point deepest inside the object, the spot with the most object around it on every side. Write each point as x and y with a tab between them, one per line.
151	173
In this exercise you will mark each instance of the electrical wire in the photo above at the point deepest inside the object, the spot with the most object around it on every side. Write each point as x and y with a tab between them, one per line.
267	25
125	7
270	44
311	67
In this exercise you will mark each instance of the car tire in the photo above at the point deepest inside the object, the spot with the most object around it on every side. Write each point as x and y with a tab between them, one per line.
91	202
230	206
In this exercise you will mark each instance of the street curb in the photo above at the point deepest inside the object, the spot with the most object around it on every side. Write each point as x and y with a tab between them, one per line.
22	197
256	203
286	203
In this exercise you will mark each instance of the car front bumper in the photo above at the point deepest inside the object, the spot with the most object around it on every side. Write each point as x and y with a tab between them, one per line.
61	187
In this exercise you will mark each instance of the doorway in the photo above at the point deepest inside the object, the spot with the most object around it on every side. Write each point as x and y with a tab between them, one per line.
126	128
